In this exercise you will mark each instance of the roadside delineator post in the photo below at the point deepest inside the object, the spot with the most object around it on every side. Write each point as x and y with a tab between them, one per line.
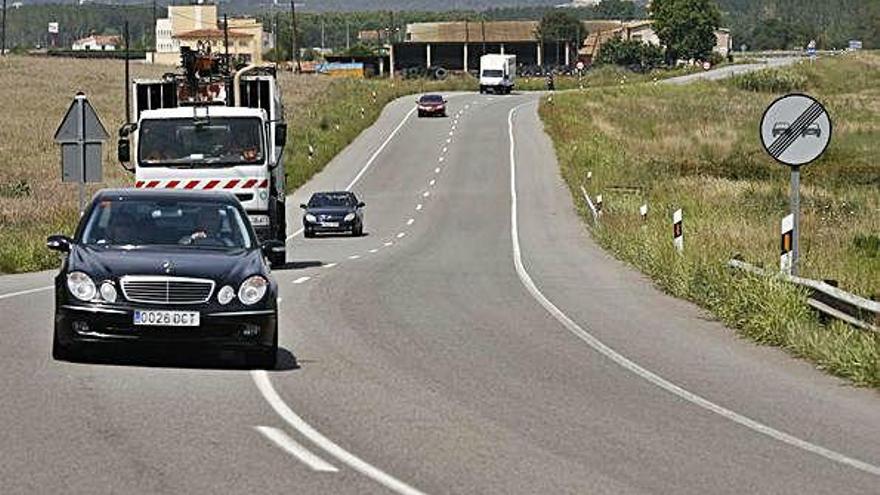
599	204
311	152
643	212
786	245
589	175
362	113
678	231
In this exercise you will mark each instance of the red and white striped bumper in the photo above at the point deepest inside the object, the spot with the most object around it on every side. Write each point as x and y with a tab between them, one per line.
231	185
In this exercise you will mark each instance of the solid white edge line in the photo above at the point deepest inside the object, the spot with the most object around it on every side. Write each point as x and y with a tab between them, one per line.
293	448
301	280
25	292
261	379
379	150
370	161
644	373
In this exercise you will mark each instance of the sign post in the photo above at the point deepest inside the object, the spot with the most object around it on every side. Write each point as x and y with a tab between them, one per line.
795	130
80	136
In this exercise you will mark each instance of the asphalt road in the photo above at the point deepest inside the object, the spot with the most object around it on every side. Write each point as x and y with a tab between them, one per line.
474	341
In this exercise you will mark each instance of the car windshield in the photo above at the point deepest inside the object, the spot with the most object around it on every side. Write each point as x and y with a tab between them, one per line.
157	222
432	99
493	73
331	200
201	142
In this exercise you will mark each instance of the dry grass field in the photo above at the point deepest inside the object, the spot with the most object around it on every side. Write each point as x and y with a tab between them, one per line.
696	147
36	94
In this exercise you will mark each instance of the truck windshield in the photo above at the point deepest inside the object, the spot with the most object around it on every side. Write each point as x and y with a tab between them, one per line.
493	73
193	142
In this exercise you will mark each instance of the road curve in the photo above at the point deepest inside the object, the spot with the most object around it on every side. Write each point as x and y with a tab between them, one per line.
427	363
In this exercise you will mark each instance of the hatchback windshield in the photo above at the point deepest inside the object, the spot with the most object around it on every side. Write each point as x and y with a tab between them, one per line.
194	142
142	222
331	200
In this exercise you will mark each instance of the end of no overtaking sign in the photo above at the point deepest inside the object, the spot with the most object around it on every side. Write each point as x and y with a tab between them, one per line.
796	130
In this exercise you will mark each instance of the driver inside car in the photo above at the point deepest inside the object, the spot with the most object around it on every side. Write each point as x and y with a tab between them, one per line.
208	227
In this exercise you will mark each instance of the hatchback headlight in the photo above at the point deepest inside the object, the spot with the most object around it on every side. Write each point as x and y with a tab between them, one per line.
225	295
311	218
81	286
252	290
349	217
108	292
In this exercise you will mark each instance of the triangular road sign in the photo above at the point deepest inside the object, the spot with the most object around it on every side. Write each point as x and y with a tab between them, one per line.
93	129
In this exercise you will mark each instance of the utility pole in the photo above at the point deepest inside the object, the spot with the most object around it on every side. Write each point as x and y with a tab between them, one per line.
322	32
392	37
347	35
154	37
3	38
226	42
275	39
294	44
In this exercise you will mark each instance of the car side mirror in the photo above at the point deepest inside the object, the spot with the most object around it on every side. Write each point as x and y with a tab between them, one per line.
280	135
59	243
304	206
361	204
272	246
123	151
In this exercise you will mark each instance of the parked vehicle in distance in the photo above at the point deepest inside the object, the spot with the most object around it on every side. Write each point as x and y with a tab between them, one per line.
497	73
337	211
433	105
171	268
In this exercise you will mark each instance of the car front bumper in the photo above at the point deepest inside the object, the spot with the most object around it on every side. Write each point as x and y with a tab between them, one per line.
324	227
97	324
432	110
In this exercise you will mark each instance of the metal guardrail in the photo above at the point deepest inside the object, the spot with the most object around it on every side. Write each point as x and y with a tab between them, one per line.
827	299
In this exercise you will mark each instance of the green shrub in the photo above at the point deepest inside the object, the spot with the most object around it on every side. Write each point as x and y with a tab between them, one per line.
770	81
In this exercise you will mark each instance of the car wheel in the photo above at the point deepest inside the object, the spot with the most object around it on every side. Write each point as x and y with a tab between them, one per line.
421	114
61	352
358	230
277	260
265	359
308	233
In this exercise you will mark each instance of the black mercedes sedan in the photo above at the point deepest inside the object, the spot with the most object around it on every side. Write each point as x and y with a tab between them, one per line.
171	268
338	211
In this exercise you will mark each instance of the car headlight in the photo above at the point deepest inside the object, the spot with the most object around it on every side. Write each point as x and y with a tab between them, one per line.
225	295
349	217
81	286
108	292
253	289
310	218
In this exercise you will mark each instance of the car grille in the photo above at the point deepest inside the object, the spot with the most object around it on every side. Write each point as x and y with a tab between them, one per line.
166	290
330	218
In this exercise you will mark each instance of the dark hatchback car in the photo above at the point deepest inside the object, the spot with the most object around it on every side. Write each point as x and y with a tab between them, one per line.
166	268
338	211
433	105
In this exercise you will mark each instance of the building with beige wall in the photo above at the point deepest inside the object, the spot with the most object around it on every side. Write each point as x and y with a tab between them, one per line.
199	25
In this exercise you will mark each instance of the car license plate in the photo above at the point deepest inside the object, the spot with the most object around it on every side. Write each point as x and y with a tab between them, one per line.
166	318
259	220
329	224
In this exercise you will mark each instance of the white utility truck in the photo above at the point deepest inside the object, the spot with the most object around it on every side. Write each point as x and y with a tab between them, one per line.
212	127
497	73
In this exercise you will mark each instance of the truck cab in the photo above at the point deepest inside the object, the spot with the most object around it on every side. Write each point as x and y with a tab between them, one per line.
497	73
213	132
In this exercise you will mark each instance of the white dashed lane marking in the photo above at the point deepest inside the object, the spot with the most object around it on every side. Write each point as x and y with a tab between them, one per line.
301	280
426	193
374	250
330	265
419	207
354	257
432	182
389	243
410	221
437	170
401	235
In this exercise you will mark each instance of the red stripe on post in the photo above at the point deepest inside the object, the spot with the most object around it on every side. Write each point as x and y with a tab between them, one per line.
231	184
172	184
249	184
212	184
191	184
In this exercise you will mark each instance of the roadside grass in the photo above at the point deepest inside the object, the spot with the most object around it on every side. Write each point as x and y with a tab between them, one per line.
696	147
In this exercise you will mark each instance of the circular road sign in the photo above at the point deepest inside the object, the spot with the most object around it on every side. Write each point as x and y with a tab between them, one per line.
580	65
795	130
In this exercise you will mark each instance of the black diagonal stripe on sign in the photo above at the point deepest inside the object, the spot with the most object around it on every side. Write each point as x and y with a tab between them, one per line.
794	131
790	136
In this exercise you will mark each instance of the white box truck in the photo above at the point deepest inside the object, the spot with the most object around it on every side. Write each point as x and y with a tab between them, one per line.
497	73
